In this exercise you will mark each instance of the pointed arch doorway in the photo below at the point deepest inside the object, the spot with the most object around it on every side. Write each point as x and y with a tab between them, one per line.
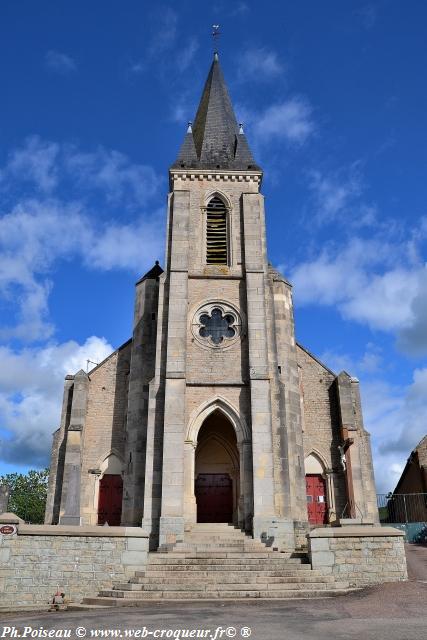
218	443
217	471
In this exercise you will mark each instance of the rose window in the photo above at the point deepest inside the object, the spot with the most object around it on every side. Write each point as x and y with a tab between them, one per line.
216	325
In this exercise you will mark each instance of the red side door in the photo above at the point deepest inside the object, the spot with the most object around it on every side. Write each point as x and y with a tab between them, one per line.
214	497
316	499
110	500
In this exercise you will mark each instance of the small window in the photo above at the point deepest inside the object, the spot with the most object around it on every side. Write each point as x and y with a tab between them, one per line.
216	232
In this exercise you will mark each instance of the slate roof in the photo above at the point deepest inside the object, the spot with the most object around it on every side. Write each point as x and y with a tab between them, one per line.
152	274
215	140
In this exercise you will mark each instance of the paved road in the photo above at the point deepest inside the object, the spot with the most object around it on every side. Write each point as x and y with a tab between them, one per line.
416	558
388	612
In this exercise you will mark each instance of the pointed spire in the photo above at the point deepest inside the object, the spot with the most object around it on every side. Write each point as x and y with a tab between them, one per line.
187	156
215	140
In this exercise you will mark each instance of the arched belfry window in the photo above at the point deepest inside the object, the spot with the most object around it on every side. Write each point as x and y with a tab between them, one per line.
216	232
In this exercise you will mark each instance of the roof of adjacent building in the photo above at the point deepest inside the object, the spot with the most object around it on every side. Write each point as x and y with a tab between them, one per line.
215	140
418	456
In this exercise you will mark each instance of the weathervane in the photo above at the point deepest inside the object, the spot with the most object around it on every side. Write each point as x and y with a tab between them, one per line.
215	36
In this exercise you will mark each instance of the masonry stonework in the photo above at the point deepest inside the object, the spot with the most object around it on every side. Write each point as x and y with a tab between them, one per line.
213	344
360	555
80	561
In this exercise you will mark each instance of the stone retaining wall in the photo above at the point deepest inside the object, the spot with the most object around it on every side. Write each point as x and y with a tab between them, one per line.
80	560
363	555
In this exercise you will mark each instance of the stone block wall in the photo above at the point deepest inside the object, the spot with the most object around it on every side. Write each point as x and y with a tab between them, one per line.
321	425
362	555
205	364
79	560
104	430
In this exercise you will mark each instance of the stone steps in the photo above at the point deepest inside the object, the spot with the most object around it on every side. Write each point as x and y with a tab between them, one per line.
202	588
218	573
246	594
218	562
263	555
228	547
201	581
236	559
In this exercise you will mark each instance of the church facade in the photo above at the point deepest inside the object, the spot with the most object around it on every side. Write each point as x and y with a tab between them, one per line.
212	412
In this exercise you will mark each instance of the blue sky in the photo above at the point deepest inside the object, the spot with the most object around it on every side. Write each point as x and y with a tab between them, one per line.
96	97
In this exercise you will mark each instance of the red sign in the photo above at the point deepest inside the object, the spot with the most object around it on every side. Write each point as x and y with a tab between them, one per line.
7	529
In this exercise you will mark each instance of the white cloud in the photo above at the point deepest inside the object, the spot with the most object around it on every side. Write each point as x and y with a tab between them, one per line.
333	193
396	418
113	173
413	339
38	233
180	111
259	64
60	62
43	164
370	281
31	384
367	15
186	56
290	120
370	362
36	161
240	9
164	33
142	240
336	198
137	67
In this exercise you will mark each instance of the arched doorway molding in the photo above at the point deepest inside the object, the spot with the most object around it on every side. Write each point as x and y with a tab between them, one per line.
315	462
223	443
108	464
111	463
244	447
198	417
317	458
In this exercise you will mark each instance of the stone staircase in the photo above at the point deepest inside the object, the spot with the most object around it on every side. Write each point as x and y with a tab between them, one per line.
218	561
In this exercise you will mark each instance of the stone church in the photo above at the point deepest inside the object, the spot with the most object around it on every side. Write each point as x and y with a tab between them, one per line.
212	412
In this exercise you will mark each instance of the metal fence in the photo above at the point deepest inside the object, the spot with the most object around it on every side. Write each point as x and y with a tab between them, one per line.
406	511
402	507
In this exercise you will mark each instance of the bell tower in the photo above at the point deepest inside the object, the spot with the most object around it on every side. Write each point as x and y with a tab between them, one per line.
216	349
212	412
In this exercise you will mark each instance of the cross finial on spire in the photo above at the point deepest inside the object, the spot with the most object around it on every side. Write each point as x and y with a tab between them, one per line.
215	37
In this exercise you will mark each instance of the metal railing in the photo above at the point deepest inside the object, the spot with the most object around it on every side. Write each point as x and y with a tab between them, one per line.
402	507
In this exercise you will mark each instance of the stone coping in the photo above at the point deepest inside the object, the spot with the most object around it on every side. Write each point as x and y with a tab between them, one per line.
10	518
80	531
356	531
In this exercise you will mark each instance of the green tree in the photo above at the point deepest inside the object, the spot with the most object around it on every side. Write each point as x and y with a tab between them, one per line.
28	494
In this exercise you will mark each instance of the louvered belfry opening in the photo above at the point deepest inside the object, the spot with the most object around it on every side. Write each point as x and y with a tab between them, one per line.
216	232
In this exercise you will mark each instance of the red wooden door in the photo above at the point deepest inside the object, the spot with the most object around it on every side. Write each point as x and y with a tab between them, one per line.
214	497
316	498
110	500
